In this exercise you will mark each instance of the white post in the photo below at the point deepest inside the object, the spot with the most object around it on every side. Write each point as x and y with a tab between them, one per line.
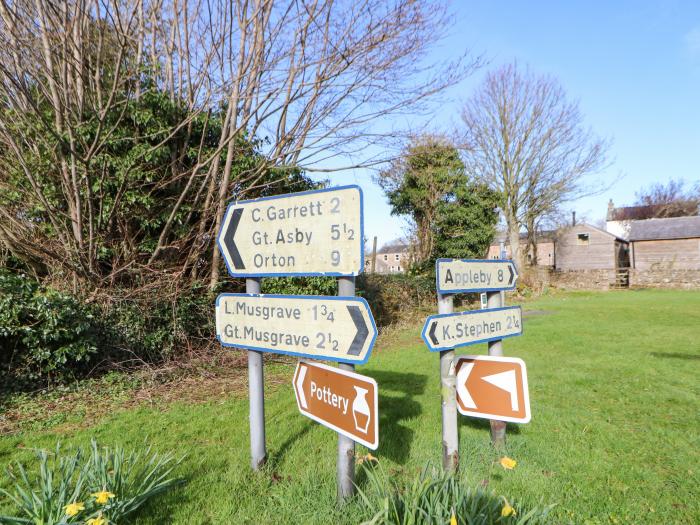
256	396
448	395
346	446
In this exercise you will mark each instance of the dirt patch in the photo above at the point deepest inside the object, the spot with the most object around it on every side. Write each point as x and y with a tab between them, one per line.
199	380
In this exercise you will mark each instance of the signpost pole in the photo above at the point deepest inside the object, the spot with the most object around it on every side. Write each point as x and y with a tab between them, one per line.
256	395
498	428
346	446
448	383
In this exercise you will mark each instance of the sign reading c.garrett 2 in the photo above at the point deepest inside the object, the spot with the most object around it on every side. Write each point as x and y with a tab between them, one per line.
308	233
335	328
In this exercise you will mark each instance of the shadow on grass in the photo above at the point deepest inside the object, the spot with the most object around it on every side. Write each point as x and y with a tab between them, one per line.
275	457
483	424
394	438
675	355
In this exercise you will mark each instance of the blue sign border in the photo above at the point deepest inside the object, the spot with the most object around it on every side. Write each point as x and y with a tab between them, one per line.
429	319
304	297
300	274
470	290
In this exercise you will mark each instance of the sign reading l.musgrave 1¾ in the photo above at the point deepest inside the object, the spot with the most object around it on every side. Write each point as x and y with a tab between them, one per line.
446	331
474	275
308	233
333	328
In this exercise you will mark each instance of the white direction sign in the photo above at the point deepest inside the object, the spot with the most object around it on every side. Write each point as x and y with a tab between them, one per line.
446	331
309	233
474	275
333	328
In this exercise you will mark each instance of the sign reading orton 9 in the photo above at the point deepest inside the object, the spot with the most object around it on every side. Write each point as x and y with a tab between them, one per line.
309	233
340	400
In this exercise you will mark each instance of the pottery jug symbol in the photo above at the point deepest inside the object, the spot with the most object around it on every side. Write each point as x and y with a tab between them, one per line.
360	409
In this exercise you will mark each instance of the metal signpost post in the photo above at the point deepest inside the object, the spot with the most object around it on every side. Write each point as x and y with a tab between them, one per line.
450	430
309	233
448	330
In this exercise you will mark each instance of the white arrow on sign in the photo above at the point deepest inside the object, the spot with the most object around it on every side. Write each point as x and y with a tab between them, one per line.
462	390
300	385
505	381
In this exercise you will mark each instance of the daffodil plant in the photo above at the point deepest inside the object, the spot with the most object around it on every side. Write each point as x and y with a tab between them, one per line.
94	487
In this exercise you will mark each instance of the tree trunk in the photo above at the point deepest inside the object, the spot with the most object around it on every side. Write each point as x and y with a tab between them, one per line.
514	238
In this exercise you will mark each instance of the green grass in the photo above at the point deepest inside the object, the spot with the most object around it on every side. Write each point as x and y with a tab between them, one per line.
614	384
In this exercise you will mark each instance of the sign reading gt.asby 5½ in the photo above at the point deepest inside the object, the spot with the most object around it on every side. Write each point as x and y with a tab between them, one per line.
307	233
335	328
478	275
340	400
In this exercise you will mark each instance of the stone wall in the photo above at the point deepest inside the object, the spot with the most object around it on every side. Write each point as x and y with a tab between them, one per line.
665	278
582	279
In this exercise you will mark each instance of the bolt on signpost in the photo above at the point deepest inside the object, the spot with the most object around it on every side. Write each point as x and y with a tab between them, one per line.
302	234
448	330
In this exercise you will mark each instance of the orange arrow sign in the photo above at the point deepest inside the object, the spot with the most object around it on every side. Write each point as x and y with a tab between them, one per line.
493	388
340	400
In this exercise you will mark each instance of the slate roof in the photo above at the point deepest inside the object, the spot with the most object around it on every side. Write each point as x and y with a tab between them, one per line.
661	229
394	247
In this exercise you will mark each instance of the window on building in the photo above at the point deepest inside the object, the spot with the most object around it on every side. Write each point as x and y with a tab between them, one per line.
386	257
583	239
397	256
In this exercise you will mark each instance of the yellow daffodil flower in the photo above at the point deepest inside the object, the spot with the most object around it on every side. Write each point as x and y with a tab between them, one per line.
508	463
73	508
367	457
507	510
102	497
99	520
453	519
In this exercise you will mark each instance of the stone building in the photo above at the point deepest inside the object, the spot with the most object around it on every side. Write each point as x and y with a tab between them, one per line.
394	257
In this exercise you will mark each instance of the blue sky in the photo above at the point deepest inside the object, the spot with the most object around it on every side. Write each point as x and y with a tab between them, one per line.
634	68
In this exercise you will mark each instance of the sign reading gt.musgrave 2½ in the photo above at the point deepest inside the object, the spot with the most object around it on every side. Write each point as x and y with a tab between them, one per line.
334	328
308	233
474	275
446	331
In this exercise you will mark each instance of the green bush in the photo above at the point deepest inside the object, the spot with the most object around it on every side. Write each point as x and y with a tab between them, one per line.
437	498
77	487
393	297
44	333
300	285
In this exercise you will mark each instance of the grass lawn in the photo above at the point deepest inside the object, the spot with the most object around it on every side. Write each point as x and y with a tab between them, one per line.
614	383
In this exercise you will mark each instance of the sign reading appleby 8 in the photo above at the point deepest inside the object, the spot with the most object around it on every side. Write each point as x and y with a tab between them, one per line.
340	400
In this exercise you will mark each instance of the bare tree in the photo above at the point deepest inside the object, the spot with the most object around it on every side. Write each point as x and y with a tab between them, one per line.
306	81
671	199
527	141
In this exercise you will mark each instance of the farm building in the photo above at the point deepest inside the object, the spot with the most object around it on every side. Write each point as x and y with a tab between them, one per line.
585	247
672	243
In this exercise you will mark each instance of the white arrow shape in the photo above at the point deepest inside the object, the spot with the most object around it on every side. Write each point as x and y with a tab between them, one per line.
462	391
505	381
300	385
